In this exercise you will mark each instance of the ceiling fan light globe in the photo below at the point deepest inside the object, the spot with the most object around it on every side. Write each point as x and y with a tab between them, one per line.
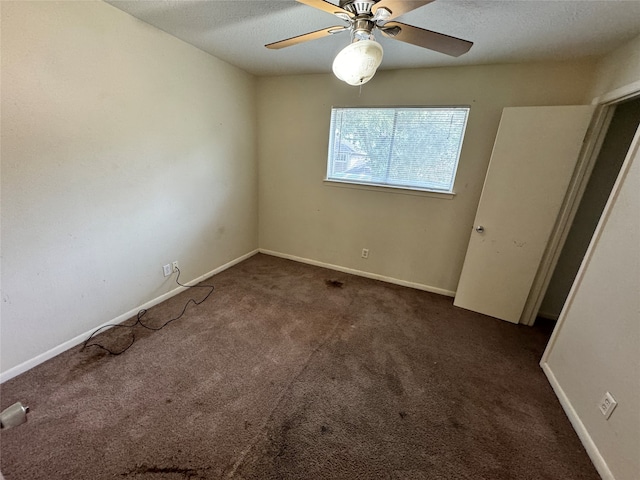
357	62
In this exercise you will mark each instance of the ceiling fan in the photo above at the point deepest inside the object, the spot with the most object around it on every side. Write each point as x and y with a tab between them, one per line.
357	63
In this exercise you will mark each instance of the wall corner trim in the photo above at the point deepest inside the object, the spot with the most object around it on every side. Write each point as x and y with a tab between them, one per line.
360	273
43	357
578	426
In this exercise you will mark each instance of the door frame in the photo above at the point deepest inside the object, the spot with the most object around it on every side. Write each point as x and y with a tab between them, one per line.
606	105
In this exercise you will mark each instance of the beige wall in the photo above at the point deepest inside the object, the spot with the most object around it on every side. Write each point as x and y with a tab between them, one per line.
416	239
619	68
595	347
122	149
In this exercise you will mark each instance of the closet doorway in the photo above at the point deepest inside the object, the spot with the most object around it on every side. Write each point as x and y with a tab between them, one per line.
615	146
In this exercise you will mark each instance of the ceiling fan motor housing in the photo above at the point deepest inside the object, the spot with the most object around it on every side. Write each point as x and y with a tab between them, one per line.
358	7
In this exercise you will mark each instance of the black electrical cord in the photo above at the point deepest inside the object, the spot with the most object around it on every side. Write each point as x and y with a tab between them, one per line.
138	321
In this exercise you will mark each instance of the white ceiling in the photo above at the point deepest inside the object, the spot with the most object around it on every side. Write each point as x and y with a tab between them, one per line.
503	31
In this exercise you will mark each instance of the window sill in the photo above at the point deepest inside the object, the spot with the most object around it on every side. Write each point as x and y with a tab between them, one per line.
388	189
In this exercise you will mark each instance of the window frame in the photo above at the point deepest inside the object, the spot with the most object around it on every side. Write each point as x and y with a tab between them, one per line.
392	188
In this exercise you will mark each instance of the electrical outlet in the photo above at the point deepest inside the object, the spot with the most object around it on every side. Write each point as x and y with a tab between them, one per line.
365	253
175	266
607	404
166	269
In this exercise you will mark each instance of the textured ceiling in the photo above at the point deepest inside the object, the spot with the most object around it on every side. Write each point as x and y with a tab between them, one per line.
503	31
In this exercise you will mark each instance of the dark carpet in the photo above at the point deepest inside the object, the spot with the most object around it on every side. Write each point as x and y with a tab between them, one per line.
290	371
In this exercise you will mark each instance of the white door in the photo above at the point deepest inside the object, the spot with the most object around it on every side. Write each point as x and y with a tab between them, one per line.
533	159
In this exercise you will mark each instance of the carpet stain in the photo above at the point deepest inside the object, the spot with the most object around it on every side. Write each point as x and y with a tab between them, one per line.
455	423
324	429
88	362
394	384
403	415
284	430
334	283
187	473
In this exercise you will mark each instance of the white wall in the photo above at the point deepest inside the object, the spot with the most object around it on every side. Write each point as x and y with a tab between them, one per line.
123	149
595	347
417	239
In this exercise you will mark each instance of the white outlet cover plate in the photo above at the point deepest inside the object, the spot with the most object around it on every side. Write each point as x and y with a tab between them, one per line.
607	405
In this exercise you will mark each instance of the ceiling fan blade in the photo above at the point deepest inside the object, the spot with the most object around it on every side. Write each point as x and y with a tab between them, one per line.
306	37
399	7
325	6
426	38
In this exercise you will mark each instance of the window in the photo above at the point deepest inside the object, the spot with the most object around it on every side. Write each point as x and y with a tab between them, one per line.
405	147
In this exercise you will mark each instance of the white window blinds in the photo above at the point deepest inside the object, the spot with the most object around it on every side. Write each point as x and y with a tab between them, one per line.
407	147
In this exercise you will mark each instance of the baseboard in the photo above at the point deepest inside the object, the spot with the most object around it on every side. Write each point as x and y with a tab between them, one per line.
360	273
578	426
43	357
